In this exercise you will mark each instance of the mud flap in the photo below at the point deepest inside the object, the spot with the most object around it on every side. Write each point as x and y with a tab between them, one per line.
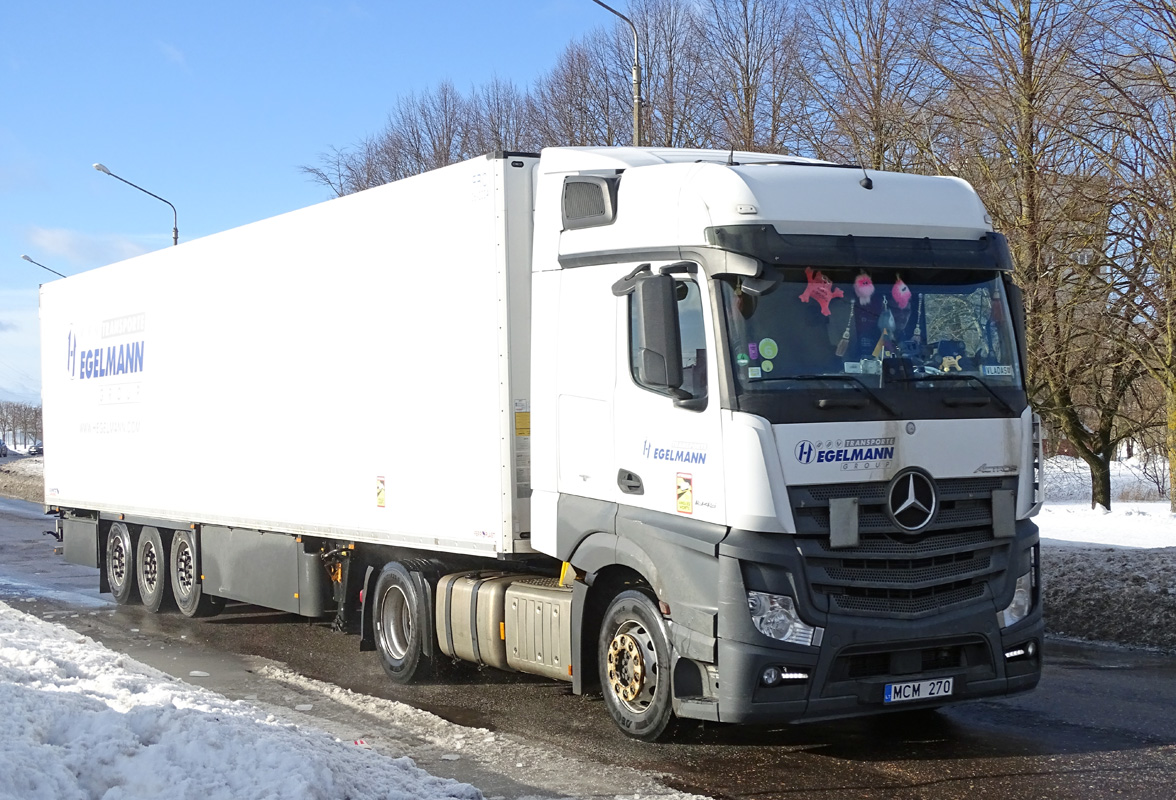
367	636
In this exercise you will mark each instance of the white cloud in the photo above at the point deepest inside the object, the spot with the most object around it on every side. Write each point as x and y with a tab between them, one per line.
20	344
82	250
173	54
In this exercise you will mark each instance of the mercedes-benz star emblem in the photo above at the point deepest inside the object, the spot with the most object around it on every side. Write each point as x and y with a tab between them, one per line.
911	500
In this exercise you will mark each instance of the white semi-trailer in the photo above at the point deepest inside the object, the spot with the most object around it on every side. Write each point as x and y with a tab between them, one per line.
728	436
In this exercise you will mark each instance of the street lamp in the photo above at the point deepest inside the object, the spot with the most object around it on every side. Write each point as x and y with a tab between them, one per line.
175	219
42	266
636	77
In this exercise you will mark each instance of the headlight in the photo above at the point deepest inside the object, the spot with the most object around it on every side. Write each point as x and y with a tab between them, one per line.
1022	602
775	615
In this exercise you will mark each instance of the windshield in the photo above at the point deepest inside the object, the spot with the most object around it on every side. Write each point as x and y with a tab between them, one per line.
893	341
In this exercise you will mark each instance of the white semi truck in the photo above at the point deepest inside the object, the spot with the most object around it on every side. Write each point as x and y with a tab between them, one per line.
725	436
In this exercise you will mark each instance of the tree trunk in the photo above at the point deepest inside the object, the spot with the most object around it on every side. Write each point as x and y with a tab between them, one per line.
1100	483
1170	439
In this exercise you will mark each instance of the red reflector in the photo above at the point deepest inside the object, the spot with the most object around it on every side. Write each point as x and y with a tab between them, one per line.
361	597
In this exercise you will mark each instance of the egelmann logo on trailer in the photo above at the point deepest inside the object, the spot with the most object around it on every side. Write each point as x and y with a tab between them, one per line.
106	360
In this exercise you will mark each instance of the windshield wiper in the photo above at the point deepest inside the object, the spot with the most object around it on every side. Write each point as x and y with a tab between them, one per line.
858	382
952	378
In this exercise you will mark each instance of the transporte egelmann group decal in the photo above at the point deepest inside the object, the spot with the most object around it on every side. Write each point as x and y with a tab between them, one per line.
849	451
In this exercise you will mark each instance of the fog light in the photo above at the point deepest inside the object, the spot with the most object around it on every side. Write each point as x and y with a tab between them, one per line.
775	615
774	675
1025	650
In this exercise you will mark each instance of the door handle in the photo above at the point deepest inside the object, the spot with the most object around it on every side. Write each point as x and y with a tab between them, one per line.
630	482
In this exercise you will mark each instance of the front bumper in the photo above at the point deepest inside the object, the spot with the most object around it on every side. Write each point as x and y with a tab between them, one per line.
855	656
849	679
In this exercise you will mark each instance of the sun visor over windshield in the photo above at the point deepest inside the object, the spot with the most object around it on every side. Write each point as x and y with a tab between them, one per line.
763	242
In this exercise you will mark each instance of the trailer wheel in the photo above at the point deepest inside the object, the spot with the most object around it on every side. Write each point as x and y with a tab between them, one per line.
634	658
398	621
120	563
151	568
185	580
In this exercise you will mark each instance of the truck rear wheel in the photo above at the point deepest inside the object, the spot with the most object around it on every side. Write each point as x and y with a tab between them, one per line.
634	658
120	563
151	568
400	625
185	579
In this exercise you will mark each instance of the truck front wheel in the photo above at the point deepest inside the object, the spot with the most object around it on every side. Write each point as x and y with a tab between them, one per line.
399	622
634	658
120	563
186	580
151	567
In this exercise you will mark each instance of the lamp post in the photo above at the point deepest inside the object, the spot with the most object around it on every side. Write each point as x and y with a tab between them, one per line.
175	218
636	77
42	266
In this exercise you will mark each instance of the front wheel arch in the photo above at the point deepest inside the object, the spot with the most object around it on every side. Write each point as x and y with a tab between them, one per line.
633	657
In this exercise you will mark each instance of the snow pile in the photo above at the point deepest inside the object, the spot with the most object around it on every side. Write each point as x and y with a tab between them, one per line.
1111	594
22	478
82	721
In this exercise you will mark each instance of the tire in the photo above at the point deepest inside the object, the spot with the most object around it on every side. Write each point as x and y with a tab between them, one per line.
634	658
151	569
185	579
120	563
400	622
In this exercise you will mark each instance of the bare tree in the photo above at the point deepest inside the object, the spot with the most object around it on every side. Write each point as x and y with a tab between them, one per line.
743	41
869	79
1137	76
1018	96
674	76
424	132
579	103
20	423
497	119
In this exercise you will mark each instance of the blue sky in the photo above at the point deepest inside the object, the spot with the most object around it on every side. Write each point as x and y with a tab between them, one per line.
212	105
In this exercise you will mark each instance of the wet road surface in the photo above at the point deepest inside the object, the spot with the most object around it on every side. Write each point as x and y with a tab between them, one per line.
1102	723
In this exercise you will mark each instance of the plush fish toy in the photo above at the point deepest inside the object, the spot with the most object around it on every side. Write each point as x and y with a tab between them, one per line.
901	293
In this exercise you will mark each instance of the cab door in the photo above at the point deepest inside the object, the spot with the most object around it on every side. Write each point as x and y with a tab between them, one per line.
668	440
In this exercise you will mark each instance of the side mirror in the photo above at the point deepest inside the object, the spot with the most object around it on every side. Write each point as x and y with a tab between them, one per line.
657	337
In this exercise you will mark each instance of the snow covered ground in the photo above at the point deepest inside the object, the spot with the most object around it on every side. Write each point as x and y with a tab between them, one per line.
86	722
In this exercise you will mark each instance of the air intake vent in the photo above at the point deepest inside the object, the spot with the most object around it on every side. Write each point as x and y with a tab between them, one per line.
588	201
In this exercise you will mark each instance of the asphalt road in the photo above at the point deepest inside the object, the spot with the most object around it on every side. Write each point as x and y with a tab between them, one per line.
1102	723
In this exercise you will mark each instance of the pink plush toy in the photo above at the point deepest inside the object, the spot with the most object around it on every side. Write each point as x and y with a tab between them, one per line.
820	288
901	293
863	287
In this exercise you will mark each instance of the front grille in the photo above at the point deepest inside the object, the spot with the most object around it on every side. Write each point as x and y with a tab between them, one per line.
923	570
907	603
890	572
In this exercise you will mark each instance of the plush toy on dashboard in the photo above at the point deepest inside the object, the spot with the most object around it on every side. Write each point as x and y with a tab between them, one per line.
863	289
820	288
950	352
